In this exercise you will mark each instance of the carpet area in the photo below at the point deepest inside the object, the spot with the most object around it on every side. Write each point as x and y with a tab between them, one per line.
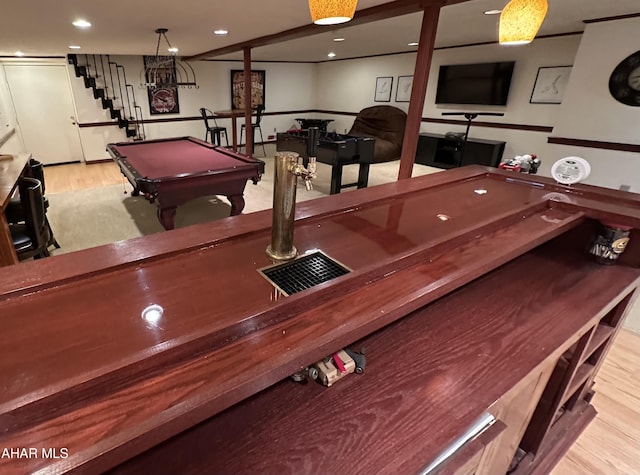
88	218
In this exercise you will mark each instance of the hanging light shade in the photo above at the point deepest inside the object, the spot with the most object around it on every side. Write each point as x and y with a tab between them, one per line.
520	21
166	71
332	12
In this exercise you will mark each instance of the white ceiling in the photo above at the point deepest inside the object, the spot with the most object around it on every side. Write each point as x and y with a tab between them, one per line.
43	27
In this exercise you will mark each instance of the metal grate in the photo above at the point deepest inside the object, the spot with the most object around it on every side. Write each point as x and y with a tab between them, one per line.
304	272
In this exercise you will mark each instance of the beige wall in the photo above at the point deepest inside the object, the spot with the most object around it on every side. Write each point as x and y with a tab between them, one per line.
288	86
587	112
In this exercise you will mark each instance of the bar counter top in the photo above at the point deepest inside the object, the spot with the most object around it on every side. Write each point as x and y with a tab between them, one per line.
83	371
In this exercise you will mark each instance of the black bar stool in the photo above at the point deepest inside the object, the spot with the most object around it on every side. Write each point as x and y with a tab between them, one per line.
215	132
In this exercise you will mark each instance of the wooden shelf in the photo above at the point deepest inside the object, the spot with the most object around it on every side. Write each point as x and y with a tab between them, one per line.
602	334
584	371
558	441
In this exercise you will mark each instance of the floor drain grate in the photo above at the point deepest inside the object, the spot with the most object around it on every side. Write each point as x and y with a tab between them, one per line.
303	272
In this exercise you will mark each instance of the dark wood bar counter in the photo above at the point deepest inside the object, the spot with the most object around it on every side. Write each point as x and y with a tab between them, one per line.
10	171
472	290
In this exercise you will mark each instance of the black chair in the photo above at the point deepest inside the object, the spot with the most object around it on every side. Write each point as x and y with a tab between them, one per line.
256	125
31	238
215	132
14	213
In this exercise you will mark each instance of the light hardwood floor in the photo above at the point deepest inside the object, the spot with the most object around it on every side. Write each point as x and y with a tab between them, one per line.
81	176
611	443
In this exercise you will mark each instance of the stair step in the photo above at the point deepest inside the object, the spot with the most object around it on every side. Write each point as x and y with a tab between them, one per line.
89	82
98	93
115	114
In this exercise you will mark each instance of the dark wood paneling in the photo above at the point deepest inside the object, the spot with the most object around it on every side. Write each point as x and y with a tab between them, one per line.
495	125
612	18
7	136
184	119
622	147
482	43
112	386
418	91
465	351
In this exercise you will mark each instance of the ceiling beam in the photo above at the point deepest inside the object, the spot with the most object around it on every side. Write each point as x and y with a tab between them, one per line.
368	15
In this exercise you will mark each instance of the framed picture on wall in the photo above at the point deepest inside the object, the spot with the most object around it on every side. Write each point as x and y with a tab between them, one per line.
162	100
403	89
237	88
383	89
550	85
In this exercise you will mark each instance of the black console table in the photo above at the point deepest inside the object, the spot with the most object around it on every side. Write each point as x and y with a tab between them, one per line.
443	152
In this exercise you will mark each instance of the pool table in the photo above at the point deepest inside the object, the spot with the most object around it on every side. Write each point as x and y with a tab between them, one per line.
173	171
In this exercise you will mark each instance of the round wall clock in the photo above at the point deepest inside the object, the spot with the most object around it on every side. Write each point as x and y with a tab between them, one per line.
162	100
624	83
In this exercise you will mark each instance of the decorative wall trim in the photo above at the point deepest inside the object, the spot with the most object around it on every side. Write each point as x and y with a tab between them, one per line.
621	147
612	18
556	35
570	33
495	125
85	125
4	138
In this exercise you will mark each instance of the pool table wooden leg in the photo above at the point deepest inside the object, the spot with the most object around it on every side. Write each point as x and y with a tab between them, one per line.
237	204
167	217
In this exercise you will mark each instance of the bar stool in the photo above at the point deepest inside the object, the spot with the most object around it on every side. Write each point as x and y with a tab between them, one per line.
256	125
31	238
215	132
15	213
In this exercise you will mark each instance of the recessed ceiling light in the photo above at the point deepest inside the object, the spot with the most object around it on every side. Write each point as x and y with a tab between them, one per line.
414	43
172	50
81	24
19	54
338	39
493	12
74	47
220	32
331	55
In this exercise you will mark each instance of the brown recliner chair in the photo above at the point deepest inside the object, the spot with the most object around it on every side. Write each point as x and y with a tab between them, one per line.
386	124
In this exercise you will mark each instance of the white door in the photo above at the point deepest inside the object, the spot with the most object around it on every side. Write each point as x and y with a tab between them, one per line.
44	110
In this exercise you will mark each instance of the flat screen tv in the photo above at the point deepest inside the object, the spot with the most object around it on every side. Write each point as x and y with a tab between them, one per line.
483	83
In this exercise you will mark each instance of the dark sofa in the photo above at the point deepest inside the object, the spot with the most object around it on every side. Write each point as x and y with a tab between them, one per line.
386	124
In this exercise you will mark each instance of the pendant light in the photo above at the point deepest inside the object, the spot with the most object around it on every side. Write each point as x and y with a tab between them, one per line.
520	21
332	12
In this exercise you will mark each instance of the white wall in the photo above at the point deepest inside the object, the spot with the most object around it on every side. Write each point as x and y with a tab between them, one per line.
288	86
587	112
10	141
